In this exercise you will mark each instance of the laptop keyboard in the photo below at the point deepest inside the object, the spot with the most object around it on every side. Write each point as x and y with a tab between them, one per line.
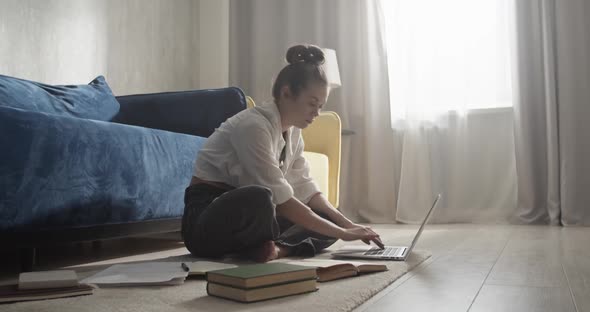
388	251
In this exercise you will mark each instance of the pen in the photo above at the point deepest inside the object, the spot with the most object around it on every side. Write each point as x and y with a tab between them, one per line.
184	267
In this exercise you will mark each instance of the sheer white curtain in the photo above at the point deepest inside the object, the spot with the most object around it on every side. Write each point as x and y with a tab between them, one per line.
260	33
449	65
391	171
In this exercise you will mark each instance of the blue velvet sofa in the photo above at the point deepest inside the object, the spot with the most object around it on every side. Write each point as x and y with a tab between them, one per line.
79	164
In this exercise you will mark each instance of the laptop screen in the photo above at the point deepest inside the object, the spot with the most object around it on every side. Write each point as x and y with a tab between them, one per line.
434	204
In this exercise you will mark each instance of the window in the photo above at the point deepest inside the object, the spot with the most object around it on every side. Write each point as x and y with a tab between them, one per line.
452	55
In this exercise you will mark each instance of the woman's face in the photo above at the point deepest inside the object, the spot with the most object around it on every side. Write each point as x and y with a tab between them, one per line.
300	111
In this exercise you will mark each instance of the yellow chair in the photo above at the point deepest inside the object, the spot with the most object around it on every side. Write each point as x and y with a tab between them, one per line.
323	152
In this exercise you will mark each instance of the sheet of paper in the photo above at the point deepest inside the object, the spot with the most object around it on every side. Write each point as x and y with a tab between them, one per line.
47	279
139	273
200	267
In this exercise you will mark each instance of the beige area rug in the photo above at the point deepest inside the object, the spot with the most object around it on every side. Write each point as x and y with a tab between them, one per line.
340	295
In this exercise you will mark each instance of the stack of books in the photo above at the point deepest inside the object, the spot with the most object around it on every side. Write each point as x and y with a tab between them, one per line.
44	285
251	283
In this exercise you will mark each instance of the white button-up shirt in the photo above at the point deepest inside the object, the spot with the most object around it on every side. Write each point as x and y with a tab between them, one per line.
245	150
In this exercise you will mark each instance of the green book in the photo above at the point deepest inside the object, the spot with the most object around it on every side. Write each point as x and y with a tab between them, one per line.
260	275
261	293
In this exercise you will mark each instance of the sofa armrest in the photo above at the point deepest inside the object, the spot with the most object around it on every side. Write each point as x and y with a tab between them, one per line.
59	171
323	136
196	112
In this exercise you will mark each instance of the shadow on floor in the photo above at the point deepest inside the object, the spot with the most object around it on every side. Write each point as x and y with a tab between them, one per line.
59	256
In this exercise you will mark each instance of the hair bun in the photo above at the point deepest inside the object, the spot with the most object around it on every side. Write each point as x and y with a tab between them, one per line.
305	53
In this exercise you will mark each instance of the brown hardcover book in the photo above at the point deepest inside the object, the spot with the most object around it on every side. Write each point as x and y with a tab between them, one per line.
258	275
261	293
11	293
329	270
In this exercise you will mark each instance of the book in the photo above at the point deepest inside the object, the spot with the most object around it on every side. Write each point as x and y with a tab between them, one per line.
265	274
139	274
261	293
47	279
329	270
200	268
12	293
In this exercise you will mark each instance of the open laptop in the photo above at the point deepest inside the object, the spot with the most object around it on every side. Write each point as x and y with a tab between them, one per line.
397	253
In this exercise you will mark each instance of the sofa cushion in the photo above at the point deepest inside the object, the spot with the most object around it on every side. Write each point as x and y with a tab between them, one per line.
319	167
61	172
92	101
194	112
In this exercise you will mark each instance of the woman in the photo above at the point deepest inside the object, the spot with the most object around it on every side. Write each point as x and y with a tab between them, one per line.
251	193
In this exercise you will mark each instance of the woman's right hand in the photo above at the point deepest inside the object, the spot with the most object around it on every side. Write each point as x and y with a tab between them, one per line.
364	233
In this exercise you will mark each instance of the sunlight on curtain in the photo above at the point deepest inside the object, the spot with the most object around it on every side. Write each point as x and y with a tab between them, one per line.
446	56
450	83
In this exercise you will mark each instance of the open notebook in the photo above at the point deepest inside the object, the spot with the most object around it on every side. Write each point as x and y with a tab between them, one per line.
329	270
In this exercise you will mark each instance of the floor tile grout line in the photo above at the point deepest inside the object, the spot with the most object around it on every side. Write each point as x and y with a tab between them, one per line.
491	269
569	286
411	274
434	258
523	285
407	276
384	292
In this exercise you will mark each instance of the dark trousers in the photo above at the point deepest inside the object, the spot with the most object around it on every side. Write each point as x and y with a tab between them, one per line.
218	222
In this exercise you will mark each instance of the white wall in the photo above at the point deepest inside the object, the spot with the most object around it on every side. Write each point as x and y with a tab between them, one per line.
214	47
138	45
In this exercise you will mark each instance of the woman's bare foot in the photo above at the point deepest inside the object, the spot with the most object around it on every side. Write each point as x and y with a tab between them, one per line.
267	251
283	251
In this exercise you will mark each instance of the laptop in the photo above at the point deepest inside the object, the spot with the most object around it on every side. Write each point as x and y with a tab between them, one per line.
396	253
